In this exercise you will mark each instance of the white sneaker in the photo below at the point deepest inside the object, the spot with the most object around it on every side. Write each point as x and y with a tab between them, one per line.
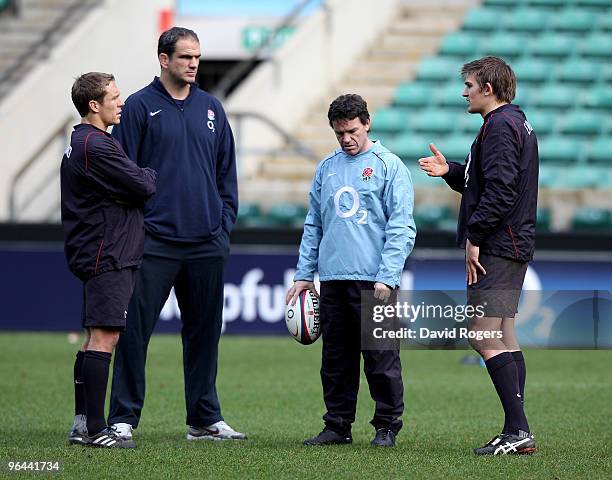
123	430
216	431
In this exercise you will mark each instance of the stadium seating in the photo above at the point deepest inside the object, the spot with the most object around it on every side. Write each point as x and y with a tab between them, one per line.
434	217
574	20
460	44
481	20
552	45
601	151
592	219
543	220
288	214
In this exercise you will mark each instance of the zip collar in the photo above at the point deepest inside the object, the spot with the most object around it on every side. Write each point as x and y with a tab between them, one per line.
159	86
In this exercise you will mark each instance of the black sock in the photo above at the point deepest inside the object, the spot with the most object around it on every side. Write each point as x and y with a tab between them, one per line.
522	372
79	388
95	374
503	372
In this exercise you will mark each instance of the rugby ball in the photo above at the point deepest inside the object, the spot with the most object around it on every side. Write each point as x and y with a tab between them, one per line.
302	319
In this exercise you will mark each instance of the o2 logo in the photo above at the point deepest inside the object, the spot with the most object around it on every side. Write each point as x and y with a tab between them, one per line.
354	208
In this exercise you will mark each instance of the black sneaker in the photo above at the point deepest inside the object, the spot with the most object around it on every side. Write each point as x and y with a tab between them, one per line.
108	438
509	444
77	437
329	437
384	438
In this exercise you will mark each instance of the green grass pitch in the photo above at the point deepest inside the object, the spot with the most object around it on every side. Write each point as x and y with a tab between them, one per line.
270	389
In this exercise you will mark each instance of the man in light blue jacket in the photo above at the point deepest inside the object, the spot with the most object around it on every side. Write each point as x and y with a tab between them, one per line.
358	233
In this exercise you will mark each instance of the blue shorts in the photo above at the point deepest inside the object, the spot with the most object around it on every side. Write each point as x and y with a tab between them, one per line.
106	298
499	291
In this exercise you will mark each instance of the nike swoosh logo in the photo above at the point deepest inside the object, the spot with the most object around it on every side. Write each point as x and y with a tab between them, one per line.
330	174
79	383
154	113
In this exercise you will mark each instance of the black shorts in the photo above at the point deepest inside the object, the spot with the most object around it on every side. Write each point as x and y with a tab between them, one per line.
498	292
106	298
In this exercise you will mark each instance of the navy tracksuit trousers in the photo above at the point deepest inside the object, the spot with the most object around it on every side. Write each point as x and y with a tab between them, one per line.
196	272
340	313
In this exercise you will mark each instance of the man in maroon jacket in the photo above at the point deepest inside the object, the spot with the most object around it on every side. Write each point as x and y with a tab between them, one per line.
498	184
103	193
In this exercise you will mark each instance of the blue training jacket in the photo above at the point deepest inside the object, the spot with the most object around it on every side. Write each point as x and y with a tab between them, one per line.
359	225
192	150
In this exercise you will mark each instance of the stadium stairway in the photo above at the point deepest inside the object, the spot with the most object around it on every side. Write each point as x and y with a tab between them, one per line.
416	31
27	37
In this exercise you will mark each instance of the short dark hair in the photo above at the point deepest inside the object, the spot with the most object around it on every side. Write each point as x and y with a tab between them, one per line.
89	86
495	71
167	40
347	107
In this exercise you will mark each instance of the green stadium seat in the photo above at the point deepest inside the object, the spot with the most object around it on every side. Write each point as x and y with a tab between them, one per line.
430	217
288	214
528	20
384	138
409	147
459	44
552	45
246	210
412	95
581	122
438	69
546	3
596	45
420	178
522	95
605	179
599	97
503	45
600	151
574	20
554	95
435	121
470	124
501	3
606	74
543	220
389	120
455	147
481	20
451	96
602	4
592	219
543	122
548	176
578	71
559	150
531	70
249	214
577	178
605	22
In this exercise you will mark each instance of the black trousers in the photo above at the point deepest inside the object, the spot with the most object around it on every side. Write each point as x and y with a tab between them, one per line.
340	312
196	272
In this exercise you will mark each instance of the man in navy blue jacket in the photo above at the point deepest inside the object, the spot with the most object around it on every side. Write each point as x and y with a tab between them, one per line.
103	193
182	132
499	187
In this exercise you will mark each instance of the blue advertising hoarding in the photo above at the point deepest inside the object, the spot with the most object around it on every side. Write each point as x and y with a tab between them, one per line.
39	293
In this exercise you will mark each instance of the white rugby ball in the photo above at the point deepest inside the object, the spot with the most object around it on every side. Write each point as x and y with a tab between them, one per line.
302	319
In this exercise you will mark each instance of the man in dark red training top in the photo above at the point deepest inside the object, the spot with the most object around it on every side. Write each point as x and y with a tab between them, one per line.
103	193
499	188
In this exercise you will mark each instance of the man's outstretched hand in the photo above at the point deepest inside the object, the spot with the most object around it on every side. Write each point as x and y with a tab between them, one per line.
434	166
